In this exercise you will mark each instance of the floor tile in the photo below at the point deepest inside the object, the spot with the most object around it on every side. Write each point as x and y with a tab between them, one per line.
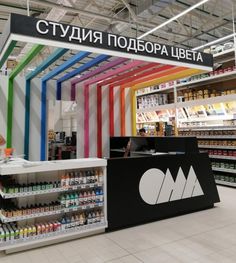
201	237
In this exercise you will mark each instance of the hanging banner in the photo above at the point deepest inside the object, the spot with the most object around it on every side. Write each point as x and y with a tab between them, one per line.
100	42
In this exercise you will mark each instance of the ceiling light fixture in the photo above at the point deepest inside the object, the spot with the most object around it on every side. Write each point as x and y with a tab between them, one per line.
215	41
173	18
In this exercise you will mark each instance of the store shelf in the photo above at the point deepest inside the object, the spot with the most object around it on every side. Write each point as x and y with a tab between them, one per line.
50	213
233	137
211	79
192	103
205	101
217	147
206	128
220	182
158	108
54	236
233	171
222	157
49	191
20	166
155	91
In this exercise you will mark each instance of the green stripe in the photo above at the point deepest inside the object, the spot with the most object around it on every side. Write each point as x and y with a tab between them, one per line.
28	57
26	60
8	52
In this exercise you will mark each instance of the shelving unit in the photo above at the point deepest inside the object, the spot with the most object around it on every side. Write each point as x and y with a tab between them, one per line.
224	170
199	109
223	157
216	147
50	213
54	237
225	183
211	79
90	215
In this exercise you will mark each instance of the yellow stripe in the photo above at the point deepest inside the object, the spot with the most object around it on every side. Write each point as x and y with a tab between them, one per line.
179	75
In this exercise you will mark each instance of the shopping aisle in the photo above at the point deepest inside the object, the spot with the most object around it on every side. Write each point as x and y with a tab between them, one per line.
202	237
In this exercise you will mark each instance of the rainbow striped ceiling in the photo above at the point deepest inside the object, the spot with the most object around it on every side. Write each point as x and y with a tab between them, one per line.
80	65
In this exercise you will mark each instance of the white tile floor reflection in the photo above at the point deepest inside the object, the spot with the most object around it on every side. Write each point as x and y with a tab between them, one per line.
202	237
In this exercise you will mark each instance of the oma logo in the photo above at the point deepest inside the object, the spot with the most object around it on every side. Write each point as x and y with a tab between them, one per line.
155	187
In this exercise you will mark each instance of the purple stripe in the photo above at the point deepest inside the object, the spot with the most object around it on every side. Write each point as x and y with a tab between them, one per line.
93	73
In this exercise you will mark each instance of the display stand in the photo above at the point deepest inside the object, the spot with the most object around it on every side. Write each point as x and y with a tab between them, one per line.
29	225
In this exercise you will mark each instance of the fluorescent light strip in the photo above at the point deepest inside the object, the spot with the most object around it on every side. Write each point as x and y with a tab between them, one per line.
215	41
173	18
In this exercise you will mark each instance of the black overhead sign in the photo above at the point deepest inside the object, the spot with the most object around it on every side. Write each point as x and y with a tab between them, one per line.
49	30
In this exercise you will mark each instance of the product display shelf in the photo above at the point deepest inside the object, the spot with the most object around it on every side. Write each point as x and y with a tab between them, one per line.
155	91
204	128
224	170
210	79
20	166
51	238
233	137
49	213
49	191
191	103
25	169
225	183
217	147
223	157
157	108
205	101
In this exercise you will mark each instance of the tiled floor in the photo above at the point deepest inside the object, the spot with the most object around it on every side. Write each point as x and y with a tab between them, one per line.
202	237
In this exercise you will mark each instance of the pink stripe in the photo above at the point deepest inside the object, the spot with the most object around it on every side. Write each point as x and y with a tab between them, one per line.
114	71
86	98
86	121
95	72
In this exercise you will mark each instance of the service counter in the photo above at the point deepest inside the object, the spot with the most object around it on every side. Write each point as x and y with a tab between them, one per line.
148	188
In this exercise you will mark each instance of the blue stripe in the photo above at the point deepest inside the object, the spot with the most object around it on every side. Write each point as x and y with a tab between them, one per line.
43	141
79	70
76	58
52	58
45	64
43	121
86	66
